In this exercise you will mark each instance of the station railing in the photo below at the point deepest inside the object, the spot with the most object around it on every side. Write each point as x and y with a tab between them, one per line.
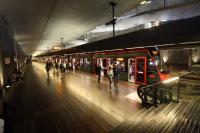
185	86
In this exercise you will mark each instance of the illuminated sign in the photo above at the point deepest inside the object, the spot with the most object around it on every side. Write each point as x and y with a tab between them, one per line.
120	59
7	60
155	52
56	48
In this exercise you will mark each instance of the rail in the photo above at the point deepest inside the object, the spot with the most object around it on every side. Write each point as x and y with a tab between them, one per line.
164	91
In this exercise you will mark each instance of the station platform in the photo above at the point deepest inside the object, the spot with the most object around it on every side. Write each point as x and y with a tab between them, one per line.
74	103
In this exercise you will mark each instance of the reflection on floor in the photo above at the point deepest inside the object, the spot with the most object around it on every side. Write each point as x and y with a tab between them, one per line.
182	117
74	102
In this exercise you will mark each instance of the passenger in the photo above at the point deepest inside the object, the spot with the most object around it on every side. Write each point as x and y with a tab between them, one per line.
48	67
64	66
110	76
70	66
14	76
56	66
116	74
98	71
19	75
59	62
67	66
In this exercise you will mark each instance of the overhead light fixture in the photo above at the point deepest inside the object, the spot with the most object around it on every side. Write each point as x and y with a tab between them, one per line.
164	20
145	2
7	86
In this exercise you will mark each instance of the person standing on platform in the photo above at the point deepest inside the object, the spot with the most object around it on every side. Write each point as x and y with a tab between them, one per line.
110	76
64	66
98	71
115	74
53	66
61	68
56	66
70	66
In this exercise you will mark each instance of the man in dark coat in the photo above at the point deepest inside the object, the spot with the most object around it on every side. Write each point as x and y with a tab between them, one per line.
98	71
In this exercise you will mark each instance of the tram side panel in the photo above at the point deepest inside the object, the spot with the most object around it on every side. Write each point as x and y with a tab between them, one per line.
140	66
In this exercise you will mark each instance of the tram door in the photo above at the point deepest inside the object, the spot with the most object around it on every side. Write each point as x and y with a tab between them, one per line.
140	70
131	69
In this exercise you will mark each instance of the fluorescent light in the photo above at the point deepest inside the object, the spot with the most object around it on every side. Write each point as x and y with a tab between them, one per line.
145	2
164	20
170	80
7	86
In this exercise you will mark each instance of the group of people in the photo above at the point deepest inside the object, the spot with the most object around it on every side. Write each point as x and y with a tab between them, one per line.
58	64
113	73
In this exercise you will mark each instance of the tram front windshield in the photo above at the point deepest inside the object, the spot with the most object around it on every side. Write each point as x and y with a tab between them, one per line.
157	60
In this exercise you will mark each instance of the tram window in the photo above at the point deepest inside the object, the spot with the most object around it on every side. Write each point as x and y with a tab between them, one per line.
121	64
157	61
140	66
87	62
151	66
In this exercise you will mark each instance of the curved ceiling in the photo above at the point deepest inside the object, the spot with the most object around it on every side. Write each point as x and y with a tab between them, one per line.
39	24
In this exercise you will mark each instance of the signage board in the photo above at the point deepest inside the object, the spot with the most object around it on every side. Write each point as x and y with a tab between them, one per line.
7	60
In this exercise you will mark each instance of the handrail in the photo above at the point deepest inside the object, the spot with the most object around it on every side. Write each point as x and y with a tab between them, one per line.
155	90
164	80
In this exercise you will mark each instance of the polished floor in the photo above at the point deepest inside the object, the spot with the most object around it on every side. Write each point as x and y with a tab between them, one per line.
74	102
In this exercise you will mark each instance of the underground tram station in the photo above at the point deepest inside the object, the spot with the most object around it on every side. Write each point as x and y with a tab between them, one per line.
106	66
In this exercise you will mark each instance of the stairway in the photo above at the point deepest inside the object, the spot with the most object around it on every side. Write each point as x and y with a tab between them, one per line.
174	117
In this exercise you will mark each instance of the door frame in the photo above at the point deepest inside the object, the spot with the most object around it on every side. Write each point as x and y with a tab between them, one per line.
145	69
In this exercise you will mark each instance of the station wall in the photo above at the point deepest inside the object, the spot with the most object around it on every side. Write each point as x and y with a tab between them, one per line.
8	49
181	57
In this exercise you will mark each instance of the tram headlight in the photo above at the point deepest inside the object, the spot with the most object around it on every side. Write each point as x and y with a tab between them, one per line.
151	63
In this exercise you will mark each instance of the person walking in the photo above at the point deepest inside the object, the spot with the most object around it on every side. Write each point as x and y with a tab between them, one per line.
98	71
48	67
70	66
115	74
61	68
64	66
110	76
56	66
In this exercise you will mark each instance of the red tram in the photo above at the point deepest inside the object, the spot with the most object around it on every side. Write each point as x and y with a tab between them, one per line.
141	65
